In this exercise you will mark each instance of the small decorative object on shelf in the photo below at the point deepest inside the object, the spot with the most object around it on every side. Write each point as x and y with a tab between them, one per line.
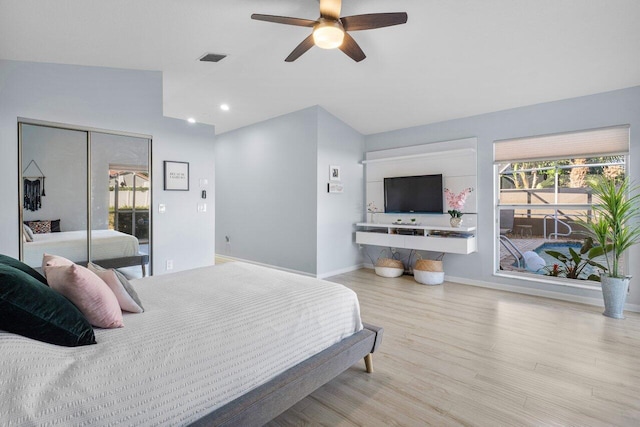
373	210
456	203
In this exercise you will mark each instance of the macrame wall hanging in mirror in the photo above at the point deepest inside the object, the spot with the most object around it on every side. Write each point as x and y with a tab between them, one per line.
33	188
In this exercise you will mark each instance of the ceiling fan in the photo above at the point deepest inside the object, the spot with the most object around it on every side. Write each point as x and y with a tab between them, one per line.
330	31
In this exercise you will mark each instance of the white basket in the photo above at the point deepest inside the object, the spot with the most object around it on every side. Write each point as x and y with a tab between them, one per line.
428	277
389	271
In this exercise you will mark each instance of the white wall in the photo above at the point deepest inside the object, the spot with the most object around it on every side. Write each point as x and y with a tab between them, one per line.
338	145
61	154
606	109
113	99
455	160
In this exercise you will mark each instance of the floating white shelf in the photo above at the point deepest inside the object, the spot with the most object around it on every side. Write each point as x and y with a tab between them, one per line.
437	238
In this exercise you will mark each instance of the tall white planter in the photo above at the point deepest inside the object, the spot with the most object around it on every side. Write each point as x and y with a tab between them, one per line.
614	292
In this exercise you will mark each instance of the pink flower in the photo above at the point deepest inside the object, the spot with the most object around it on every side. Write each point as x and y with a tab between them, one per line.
456	201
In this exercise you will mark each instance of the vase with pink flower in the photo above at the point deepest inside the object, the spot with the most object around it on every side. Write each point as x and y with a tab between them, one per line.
456	202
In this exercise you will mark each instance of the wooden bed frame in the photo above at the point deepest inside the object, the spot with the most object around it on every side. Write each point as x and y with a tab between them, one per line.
264	403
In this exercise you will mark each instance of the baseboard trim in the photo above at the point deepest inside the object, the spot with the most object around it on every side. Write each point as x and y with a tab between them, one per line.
275	267
341	271
533	292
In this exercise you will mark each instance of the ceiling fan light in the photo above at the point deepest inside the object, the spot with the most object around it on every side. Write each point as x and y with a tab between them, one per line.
328	35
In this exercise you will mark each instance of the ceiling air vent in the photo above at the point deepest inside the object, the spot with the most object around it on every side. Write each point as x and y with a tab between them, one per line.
212	57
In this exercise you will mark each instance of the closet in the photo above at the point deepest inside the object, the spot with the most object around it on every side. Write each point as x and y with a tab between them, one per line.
85	194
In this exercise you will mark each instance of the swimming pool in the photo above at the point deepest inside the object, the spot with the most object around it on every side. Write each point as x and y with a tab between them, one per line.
563	247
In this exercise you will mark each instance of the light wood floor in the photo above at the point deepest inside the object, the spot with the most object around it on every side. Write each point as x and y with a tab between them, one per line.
462	355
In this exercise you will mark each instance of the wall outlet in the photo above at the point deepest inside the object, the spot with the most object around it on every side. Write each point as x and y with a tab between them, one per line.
169	264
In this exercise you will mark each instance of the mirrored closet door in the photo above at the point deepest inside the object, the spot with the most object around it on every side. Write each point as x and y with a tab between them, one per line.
85	195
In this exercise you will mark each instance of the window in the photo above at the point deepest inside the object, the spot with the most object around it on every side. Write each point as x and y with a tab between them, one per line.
543	190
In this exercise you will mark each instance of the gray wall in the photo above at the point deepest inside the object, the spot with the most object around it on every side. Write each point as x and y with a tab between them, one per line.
606	109
271	193
114	99
338	144
266	192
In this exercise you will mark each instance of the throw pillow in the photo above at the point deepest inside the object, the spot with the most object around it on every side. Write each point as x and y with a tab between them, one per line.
28	234
55	225
12	262
49	260
124	292
40	227
88	292
31	309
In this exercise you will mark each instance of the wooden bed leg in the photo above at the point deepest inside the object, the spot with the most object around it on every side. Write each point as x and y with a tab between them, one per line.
368	363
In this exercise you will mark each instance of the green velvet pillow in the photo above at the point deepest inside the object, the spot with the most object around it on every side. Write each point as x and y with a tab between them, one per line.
31	309
7	260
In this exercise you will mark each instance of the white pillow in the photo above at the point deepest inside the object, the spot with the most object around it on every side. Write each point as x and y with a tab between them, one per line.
124	292
27	233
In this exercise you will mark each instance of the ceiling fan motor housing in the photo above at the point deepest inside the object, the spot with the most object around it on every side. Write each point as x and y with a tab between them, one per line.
328	33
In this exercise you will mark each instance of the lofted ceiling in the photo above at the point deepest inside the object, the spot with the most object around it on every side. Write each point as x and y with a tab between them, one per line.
453	58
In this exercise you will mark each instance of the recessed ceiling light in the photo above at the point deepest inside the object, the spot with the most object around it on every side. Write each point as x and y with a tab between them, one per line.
191	120
224	107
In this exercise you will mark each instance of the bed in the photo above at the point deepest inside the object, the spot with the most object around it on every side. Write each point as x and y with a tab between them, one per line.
110	248
235	344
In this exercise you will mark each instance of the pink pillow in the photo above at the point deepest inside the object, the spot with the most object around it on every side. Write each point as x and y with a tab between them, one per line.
120	286
49	260
88	292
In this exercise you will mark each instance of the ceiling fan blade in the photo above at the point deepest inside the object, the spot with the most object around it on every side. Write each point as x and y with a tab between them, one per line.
300	49
351	48
330	9
284	20
373	20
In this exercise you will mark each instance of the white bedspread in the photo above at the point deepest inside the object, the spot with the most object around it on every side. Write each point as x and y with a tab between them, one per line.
105	244
207	336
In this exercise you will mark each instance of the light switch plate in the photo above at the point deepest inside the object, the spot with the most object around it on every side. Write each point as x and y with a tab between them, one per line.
162	208
204	182
202	207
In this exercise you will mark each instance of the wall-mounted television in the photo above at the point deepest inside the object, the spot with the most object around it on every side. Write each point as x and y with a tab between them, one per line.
413	194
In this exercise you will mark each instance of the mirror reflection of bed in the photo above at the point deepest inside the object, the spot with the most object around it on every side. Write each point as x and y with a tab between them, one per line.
56	220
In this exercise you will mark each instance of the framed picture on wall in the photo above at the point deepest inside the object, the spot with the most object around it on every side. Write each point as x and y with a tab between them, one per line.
334	173
176	176
335	187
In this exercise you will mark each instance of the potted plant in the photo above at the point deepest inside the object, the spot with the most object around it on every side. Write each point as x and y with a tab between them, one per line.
573	265
456	202
614	230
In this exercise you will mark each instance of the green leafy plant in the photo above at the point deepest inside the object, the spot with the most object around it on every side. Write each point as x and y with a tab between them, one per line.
613	226
572	266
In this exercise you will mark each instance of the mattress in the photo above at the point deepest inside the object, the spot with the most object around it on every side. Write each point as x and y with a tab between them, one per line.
207	336
105	244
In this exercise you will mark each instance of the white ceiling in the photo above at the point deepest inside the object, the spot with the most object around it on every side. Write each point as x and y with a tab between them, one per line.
454	58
